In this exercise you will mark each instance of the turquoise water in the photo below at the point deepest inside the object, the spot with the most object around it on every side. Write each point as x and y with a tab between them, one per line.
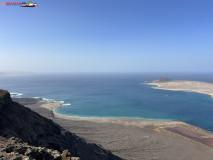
117	95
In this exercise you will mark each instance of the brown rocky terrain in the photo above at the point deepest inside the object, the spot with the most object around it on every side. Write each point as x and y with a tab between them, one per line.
15	148
26	134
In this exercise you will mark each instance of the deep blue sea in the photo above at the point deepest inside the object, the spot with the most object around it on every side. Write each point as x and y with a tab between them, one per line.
117	95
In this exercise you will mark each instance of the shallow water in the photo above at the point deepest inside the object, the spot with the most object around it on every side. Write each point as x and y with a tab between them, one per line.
117	95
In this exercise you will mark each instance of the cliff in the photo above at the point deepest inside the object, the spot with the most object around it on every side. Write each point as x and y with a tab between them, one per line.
19	122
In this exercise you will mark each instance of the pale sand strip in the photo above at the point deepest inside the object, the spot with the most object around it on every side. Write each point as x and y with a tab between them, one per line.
175	85
186	86
126	121
155	124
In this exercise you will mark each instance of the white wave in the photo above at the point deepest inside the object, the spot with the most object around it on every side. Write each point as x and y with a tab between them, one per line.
62	102
36	97
47	100
67	104
16	95
52	100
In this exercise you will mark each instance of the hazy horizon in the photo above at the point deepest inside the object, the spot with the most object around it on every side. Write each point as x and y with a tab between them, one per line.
157	74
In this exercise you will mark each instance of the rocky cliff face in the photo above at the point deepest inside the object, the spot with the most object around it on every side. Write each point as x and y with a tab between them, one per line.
22	123
4	99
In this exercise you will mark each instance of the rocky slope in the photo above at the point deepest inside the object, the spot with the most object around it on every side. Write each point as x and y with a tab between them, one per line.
19	122
16	149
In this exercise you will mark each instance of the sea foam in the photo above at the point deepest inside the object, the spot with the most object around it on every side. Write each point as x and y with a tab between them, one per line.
52	100
16	95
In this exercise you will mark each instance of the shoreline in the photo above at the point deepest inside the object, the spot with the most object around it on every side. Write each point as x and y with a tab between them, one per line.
163	125
52	106
133	139
173	85
178	128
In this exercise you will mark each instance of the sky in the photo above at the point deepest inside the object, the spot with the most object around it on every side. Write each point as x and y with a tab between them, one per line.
107	36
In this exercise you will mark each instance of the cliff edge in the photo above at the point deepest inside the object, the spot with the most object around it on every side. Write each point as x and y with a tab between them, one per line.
19	124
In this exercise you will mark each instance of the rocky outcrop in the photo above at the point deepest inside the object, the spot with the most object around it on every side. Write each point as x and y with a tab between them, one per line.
162	80
15	149
4	99
22	123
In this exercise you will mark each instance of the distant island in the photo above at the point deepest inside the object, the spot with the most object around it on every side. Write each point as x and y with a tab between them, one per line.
183	85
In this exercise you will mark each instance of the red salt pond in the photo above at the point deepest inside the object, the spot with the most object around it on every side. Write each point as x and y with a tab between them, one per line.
191	135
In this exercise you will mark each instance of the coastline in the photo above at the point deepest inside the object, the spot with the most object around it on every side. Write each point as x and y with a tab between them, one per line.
138	122
133	139
175	127
186	86
179	128
136	139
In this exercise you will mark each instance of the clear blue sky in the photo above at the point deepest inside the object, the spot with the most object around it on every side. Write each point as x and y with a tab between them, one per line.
108	36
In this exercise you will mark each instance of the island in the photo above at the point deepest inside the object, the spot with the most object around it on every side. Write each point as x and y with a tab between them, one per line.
183	85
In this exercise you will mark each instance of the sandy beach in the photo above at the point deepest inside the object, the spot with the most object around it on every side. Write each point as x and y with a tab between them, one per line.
187	86
134	139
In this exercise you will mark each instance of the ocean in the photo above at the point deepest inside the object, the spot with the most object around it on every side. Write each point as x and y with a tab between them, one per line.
117	95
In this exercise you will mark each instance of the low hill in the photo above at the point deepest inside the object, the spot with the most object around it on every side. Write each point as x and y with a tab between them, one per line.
162	80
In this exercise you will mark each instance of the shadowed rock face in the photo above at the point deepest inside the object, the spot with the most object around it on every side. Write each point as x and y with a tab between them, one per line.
4	98
21	122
